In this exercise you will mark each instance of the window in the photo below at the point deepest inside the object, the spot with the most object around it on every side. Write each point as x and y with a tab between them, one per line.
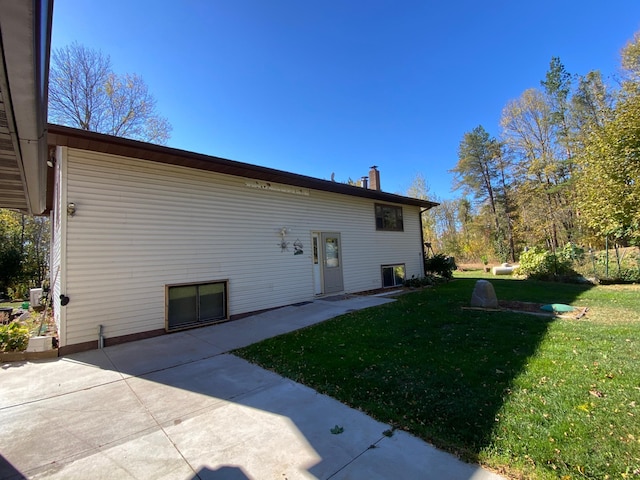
392	275
193	305
389	217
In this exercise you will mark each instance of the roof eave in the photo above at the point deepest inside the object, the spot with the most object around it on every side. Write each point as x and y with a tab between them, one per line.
84	140
25	43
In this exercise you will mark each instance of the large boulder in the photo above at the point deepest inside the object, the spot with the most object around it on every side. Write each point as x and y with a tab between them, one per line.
484	295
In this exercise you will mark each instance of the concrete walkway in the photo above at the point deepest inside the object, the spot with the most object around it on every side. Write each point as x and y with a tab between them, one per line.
179	407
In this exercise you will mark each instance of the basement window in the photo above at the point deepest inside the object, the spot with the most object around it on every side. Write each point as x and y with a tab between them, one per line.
389	218
195	304
392	275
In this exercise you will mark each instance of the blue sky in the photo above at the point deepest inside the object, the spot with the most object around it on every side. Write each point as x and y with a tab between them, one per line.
336	86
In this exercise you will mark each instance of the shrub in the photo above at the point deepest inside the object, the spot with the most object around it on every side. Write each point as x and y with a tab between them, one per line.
441	265
13	337
19	291
571	253
541	264
420	282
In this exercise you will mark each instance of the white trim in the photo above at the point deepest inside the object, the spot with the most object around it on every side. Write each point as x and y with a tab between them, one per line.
61	162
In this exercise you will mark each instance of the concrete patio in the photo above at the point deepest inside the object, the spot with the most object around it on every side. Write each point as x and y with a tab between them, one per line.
180	407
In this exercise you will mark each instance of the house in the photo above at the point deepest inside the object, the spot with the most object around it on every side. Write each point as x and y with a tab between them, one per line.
148	240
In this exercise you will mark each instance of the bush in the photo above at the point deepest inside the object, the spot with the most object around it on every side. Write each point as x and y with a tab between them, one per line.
13	337
571	253
19	291
541	264
441	265
624	266
626	275
425	281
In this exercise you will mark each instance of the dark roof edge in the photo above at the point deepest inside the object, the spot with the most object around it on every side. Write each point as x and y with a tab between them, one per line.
84	140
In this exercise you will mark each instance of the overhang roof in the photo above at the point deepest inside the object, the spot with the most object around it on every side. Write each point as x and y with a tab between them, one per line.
25	40
96	142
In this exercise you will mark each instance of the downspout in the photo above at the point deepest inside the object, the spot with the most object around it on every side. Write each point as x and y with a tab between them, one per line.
100	337
424	255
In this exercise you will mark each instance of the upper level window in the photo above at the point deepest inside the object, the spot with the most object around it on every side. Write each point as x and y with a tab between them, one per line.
389	217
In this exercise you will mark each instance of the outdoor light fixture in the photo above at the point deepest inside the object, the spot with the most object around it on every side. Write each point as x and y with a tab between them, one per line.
51	160
71	209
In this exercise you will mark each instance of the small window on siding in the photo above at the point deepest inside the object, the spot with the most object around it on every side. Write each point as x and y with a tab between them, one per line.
392	275
195	304
389	218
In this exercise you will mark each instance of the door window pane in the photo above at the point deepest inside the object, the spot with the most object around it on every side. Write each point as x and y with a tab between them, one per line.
315	250
332	256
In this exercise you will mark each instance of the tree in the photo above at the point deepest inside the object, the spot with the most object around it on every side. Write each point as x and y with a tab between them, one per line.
591	104
85	93
448	235
529	132
630	60
609	181
10	249
24	249
481	171
420	189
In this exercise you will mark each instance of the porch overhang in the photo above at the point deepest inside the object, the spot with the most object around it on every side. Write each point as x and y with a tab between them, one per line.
25	43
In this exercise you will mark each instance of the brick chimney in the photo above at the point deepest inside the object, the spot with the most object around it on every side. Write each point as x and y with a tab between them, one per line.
374	178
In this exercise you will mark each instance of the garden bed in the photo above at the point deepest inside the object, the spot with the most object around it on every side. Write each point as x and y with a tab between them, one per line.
27	356
28	337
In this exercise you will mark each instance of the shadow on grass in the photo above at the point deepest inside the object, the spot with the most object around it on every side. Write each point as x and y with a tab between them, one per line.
423	364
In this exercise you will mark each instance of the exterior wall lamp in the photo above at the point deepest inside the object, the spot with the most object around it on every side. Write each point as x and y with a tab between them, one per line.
71	209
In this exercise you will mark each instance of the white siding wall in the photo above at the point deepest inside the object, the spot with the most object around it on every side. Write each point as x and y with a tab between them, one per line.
141	225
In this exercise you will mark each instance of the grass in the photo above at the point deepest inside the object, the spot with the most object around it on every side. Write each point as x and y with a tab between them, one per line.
12	304
527	396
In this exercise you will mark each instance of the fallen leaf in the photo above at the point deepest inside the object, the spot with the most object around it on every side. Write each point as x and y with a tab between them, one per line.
337	430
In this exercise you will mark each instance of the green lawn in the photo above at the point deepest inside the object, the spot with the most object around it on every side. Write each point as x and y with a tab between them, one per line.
526	396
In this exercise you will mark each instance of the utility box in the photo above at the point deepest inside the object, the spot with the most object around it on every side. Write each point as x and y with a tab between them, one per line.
35	294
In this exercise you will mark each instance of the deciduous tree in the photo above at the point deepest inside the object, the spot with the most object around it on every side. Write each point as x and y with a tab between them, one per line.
609	181
420	189
24	250
85	93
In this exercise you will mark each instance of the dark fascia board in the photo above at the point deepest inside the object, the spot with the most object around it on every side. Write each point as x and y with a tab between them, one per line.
96	142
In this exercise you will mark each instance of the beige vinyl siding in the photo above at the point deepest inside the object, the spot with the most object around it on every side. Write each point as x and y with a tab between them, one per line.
141	225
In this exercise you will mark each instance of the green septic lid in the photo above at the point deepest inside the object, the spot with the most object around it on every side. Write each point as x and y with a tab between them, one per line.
557	307
25	305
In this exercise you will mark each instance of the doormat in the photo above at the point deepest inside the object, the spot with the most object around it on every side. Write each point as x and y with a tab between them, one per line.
337	298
